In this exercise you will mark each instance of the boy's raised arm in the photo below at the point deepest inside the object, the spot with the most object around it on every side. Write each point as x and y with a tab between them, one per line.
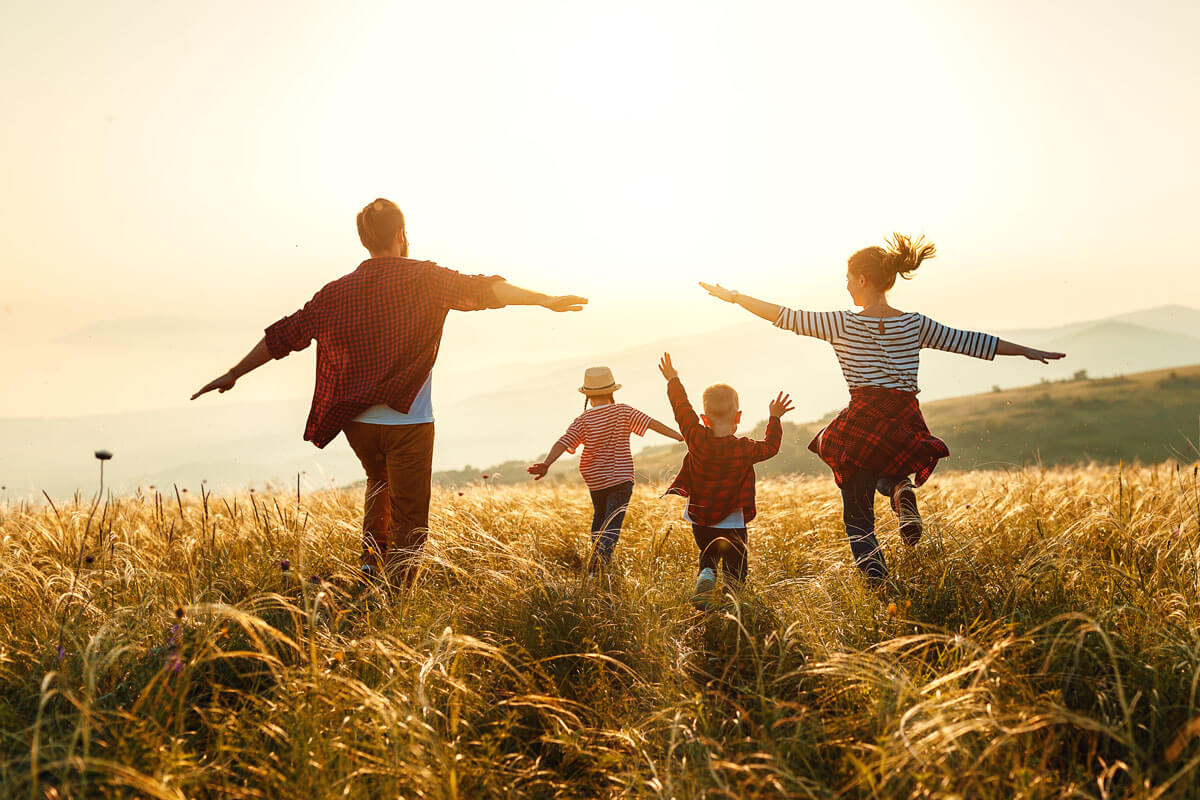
685	415
769	446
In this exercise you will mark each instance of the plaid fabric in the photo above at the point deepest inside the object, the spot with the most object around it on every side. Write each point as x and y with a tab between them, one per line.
883	431
378	330
718	472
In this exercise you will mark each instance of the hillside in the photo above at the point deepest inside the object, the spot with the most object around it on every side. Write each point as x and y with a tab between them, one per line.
1147	417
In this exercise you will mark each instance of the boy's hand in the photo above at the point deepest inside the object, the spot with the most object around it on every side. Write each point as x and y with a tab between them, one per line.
667	368
539	470
780	405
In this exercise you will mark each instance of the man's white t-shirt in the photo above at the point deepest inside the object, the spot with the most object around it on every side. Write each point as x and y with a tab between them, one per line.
420	412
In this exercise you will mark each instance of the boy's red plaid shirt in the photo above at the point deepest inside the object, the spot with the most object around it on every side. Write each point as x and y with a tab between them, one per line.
883	431
378	330
718	471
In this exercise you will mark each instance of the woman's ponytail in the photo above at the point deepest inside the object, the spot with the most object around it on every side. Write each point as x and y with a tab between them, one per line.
902	257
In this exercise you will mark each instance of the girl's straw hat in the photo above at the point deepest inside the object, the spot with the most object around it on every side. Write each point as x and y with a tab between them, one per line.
598	380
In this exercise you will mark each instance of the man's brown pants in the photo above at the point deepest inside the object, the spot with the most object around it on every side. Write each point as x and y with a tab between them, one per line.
399	464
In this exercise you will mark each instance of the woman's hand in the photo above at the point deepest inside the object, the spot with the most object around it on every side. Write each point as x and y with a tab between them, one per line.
780	405
566	302
1044	356
718	291
221	384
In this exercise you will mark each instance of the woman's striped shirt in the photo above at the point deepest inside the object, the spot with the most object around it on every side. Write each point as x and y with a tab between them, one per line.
884	351
604	433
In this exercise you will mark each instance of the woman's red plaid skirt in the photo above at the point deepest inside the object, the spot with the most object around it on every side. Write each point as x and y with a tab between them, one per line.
883	431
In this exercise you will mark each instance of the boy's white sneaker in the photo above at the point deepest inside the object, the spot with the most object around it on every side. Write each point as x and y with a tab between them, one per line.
706	581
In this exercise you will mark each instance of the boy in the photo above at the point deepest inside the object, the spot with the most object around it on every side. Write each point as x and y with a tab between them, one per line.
718	476
606	464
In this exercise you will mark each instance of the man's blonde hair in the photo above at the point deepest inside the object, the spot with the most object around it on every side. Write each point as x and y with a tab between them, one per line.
720	402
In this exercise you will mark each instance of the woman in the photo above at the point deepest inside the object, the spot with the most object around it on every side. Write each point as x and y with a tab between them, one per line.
881	438
378	330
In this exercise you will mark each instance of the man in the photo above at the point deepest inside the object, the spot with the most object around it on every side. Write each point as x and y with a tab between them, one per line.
378	330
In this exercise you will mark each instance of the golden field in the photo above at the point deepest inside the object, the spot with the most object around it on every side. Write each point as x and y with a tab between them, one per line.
1043	640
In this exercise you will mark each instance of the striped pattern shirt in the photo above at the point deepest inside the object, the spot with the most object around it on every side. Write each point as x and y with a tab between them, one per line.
604	433
884	351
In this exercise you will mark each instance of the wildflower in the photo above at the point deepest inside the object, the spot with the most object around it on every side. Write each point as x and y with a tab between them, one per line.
314	579
907	605
174	662
88	559
152	486
485	476
460	494
61	652
285	565
968	505
179	613
103	455
892	609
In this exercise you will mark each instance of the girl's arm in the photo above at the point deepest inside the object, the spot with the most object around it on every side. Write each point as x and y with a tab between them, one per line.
1004	348
760	308
539	470
670	433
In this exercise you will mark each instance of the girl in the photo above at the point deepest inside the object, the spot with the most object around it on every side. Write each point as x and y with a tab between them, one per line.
606	464
881	438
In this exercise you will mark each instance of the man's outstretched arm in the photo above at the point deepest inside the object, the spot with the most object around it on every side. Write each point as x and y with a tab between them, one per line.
253	360
509	295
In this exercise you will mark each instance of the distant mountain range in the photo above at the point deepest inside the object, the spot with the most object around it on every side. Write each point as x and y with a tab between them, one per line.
525	407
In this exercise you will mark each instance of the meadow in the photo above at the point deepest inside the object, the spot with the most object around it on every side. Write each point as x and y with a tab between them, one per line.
1043	640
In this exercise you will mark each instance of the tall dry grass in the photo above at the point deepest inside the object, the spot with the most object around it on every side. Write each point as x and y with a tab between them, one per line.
1043	641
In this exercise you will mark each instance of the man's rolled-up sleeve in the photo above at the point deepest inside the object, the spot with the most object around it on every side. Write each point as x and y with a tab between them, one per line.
458	292
293	332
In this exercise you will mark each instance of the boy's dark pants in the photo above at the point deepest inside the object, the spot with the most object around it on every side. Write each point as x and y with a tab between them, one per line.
728	546
608	515
398	460
858	512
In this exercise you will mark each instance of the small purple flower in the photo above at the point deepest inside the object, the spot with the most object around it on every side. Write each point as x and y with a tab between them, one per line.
314	578
285	565
174	662
61	652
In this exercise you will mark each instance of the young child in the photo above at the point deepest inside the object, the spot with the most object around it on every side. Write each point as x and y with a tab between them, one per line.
881	438
717	476
606	463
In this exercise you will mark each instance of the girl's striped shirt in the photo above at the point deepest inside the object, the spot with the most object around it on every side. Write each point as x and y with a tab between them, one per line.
604	433
884	351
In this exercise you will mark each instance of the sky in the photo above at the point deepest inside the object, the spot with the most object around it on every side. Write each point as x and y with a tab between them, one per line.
190	172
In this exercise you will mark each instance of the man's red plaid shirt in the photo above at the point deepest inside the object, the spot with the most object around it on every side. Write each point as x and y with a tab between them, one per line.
881	431
718	471
378	330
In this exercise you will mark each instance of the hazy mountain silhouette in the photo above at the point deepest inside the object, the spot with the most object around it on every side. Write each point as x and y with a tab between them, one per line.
526	406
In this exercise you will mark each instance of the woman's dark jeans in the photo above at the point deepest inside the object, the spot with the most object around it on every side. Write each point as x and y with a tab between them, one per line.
609	514
858	512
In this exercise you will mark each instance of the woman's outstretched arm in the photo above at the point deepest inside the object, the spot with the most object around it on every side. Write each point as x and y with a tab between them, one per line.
1004	348
760	308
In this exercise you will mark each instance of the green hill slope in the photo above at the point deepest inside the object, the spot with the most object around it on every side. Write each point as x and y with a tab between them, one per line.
1148	417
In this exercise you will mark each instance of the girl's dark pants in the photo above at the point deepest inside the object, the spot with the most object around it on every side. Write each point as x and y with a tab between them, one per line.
858	512
609	506
727	546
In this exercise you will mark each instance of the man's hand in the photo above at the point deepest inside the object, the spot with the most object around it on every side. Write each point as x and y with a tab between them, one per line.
1044	356
780	405
566	302
221	384
667	368
718	291
539	470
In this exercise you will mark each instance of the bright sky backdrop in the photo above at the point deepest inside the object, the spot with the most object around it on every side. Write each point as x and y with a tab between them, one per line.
204	161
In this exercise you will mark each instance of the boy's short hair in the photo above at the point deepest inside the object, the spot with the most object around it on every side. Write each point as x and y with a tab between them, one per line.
720	402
